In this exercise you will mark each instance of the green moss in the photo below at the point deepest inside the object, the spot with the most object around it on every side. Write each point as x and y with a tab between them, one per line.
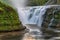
9	19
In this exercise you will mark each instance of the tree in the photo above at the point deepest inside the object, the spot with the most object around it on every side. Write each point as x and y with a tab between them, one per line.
36	2
42	2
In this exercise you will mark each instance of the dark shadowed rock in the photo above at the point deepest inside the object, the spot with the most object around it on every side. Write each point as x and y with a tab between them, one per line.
51	22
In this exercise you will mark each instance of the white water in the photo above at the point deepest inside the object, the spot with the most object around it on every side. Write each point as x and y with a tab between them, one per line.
31	17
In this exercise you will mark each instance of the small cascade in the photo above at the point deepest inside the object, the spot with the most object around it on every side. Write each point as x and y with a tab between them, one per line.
31	18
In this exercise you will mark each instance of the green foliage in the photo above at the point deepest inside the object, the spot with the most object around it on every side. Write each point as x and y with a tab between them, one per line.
9	19
37	2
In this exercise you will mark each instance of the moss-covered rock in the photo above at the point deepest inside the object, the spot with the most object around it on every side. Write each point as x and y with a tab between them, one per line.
9	19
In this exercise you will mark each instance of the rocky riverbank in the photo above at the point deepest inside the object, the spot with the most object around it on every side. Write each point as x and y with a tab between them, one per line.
16	35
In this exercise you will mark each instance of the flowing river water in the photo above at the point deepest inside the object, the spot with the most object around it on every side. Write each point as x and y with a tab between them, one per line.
31	18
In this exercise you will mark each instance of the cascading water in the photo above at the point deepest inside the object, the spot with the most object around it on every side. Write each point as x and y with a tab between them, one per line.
31	17
34	19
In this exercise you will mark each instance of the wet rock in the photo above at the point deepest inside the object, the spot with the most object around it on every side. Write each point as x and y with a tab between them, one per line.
52	13
51	21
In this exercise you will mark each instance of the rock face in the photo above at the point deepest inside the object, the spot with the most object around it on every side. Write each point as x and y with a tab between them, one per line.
9	19
51	21
52	18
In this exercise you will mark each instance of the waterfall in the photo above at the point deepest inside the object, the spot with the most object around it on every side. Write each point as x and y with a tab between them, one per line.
34	17
31	17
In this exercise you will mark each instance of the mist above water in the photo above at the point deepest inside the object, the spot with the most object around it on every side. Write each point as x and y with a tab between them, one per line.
18	3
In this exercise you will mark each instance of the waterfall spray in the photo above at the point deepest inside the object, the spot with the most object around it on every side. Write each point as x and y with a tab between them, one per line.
19	5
